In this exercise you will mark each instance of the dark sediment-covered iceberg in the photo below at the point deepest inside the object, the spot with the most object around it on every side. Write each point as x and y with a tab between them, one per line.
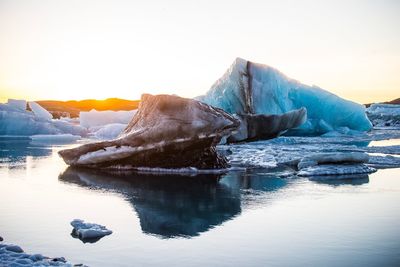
263	126
166	132
251	88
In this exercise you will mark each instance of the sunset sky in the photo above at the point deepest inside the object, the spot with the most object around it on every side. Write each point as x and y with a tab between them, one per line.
56	49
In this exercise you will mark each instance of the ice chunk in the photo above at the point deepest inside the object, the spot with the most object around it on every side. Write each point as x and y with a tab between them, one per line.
39	111
335	169
89	231
95	118
162	135
18	104
324	158
251	88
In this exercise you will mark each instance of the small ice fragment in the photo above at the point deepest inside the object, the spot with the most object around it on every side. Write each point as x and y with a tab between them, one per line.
89	231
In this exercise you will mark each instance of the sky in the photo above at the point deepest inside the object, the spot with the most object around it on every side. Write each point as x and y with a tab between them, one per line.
79	49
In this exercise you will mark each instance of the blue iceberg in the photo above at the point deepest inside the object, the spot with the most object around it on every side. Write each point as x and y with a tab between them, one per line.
252	88
16	120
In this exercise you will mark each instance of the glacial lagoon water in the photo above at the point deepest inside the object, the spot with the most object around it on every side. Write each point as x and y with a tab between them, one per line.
250	217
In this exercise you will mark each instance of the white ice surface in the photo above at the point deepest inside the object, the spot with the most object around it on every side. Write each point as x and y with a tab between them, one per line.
89	230
95	118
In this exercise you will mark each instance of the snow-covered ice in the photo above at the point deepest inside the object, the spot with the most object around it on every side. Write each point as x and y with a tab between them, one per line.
251	88
88	231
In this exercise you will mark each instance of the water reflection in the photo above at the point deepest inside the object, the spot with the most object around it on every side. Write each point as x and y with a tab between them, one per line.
18	149
174	205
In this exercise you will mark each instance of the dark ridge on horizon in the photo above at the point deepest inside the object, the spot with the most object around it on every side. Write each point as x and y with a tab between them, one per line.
73	107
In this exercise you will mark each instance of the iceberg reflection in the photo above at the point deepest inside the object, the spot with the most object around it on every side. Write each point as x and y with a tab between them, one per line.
173	205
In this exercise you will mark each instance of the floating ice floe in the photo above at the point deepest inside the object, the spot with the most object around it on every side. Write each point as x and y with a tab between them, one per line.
251	88
384	115
326	158
166	132
90	232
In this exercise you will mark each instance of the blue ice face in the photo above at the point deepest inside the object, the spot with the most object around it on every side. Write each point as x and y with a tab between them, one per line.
254	88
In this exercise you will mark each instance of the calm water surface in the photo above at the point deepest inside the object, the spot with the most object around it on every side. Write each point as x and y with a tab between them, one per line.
248	218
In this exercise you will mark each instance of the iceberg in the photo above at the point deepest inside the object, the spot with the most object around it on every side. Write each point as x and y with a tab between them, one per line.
252	88
166	132
17	103
94	118
17	121
88	232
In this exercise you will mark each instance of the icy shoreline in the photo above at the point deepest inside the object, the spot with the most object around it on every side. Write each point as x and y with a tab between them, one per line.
12	255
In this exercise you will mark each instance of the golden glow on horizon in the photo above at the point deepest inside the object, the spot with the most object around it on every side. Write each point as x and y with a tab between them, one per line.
98	49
